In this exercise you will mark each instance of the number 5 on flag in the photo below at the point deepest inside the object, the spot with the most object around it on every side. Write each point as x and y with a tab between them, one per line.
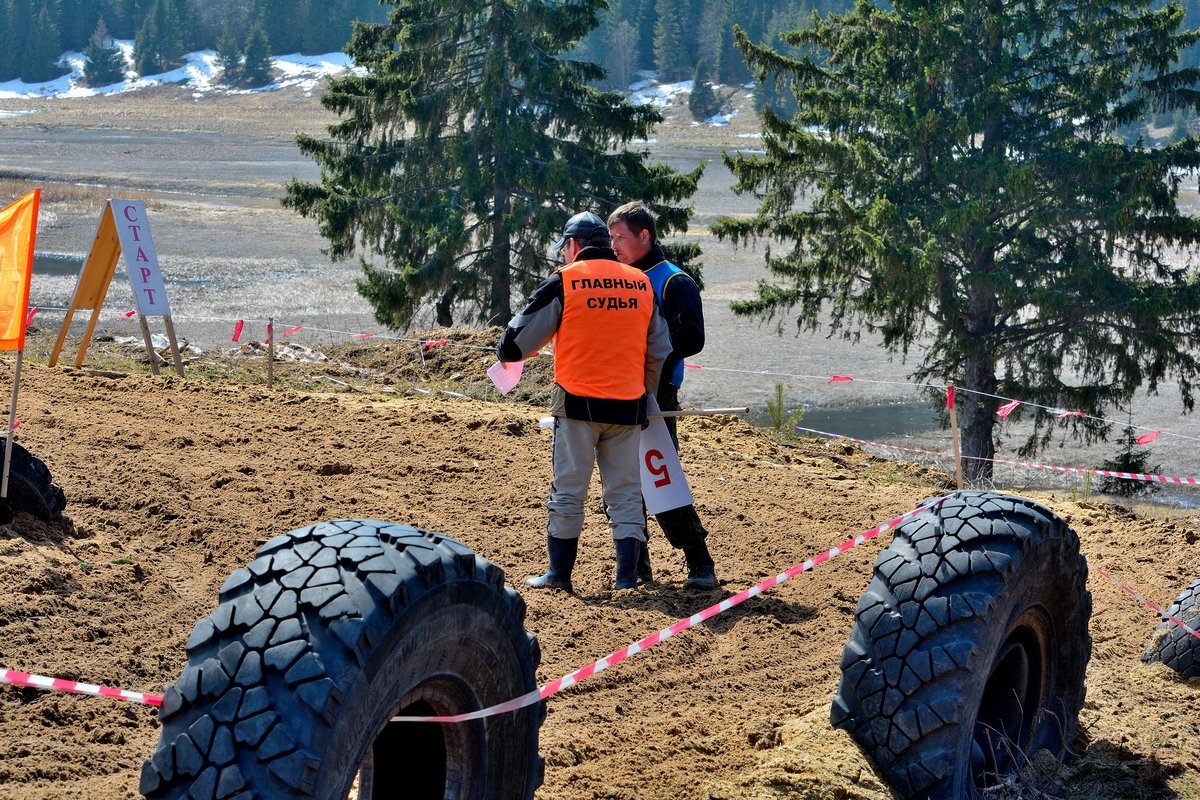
664	485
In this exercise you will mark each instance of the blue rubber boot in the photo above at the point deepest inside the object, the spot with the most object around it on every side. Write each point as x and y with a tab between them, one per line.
627	560
562	561
645	573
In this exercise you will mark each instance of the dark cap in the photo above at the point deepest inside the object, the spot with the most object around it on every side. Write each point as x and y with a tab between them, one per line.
586	227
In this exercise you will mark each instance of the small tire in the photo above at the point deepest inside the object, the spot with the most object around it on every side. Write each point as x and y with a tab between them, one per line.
31	488
291	683
969	646
1171	644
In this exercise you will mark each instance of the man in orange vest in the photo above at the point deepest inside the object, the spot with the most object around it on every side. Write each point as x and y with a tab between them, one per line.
610	342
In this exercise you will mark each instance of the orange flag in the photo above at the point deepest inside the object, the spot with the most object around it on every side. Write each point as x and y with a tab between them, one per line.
18	232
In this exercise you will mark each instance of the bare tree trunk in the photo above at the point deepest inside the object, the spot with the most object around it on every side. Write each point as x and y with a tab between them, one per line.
978	446
976	422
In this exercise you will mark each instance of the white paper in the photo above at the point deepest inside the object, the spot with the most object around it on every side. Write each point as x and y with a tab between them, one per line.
506	374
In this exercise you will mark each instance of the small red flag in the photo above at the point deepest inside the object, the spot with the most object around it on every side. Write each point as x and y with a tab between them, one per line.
237	329
1006	409
129	313
291	330
361	335
950	397
1147	438
840	379
29	317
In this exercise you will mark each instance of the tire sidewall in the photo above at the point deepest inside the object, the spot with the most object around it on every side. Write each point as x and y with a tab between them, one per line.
450	631
1035	597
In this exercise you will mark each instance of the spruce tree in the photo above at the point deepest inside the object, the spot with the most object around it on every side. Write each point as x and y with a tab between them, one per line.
671	57
965	198
703	101
257	65
106	62
465	145
147	52
43	48
229	57
1131	457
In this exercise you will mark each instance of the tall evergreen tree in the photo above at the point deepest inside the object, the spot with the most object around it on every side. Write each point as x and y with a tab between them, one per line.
43	48
702	101
969	200
671	56
18	15
147	49
465	145
229	57
256	68
106	62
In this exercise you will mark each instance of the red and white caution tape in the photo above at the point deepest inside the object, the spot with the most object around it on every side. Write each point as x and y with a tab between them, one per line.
1189	480
75	687
642	645
874	444
1145	601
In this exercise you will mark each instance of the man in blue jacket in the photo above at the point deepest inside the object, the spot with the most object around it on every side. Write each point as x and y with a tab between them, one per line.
635	239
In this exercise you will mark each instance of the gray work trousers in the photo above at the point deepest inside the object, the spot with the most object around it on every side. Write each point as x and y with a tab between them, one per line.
616	449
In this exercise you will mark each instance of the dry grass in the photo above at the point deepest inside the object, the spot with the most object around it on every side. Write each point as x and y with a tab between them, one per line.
72	196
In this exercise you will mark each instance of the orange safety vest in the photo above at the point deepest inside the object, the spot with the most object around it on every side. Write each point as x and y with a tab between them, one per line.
600	347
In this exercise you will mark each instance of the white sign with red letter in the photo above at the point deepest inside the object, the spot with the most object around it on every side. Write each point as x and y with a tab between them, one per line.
663	483
141	259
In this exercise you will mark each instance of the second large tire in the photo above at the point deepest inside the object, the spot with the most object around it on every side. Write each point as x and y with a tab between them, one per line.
969	647
292	683
1171	644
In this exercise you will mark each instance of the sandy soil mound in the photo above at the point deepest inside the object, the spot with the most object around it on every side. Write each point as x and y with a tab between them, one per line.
173	483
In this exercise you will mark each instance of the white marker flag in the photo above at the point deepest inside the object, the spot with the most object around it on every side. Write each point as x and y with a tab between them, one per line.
664	485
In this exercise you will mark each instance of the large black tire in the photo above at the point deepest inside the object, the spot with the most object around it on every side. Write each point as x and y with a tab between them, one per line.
1171	644
292	682
969	647
30	487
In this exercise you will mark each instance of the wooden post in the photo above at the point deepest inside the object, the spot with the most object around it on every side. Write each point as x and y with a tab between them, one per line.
174	344
150	351
958	470
270	352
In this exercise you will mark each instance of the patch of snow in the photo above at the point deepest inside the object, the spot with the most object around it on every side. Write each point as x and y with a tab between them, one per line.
658	95
198	73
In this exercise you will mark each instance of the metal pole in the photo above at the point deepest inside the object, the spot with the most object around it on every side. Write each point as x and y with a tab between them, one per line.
12	422
270	352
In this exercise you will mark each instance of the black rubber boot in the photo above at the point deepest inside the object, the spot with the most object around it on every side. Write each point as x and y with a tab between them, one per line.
627	559
701	573
562	561
645	573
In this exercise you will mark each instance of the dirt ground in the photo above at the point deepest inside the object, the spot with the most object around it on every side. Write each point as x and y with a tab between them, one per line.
173	483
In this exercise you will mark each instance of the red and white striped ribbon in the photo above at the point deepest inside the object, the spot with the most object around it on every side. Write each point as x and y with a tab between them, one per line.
1145	601
644	644
1188	480
75	687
